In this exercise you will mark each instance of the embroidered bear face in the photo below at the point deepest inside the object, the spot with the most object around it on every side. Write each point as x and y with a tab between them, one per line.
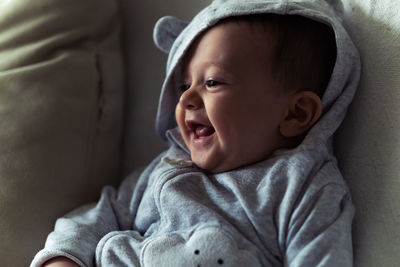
207	247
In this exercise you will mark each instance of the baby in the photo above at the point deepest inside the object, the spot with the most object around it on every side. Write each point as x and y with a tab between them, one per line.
249	178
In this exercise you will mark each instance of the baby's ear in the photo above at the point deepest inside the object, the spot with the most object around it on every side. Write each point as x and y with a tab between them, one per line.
166	31
304	110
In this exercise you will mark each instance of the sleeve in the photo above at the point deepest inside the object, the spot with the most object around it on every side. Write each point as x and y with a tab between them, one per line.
77	234
319	232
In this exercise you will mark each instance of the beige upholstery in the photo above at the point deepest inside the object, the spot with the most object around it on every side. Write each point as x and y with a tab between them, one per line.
369	141
60	114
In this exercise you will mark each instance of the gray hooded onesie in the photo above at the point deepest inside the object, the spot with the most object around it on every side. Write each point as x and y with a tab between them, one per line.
292	209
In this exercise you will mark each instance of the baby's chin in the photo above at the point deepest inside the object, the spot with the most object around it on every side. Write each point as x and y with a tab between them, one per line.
216	166
208	165
222	164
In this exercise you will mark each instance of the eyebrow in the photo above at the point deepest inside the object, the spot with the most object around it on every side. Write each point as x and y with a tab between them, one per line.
220	67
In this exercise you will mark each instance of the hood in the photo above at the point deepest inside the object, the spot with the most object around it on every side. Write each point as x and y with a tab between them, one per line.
174	36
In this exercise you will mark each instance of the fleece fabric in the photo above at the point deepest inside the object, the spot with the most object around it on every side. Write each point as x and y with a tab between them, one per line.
292	209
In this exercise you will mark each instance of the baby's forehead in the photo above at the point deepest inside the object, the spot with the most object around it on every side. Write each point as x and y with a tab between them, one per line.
253	30
239	34
259	27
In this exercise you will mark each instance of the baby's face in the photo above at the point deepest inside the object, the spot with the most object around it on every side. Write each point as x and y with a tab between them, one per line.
231	108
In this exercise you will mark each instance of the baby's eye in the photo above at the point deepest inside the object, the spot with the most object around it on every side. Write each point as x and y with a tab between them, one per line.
212	83
184	87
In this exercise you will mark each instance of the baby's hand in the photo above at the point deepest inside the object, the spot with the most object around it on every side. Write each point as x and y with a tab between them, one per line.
60	262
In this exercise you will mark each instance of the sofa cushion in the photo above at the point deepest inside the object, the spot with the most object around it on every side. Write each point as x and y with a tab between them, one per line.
368	143
61	88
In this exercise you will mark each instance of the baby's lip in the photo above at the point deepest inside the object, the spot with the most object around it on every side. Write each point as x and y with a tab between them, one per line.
199	128
193	124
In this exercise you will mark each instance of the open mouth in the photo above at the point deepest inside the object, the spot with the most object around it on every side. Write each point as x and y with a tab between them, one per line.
199	130
203	131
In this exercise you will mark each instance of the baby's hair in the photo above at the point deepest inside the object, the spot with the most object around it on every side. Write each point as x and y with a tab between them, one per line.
304	50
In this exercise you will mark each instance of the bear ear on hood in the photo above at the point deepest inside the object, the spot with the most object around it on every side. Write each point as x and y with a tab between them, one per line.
166	30
339	6
218	2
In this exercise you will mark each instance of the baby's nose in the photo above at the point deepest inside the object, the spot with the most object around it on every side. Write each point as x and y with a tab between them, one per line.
191	99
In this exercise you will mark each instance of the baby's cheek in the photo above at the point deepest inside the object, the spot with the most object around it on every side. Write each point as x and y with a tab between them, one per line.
180	116
178	111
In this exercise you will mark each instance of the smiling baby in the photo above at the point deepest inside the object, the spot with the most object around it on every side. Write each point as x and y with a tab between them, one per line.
253	95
